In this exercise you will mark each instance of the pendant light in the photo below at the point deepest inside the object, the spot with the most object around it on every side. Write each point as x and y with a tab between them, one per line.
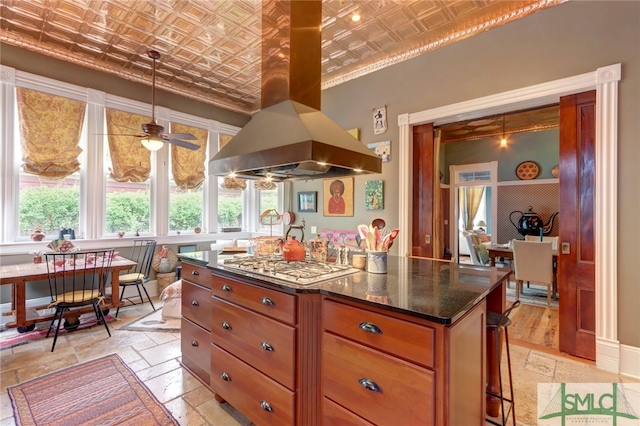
503	141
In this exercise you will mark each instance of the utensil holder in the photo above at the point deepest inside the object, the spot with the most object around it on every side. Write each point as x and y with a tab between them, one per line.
376	262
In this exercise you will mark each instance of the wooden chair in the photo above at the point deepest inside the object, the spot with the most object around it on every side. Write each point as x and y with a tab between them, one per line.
533	261
552	240
139	275
76	280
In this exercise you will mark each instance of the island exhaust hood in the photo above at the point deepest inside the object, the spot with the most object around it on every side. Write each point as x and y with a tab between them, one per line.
290	138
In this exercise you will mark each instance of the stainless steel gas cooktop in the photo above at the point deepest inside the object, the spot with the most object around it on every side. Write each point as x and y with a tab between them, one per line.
308	271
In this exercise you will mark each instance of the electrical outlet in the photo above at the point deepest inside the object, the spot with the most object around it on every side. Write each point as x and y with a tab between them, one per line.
314	229
427	239
565	248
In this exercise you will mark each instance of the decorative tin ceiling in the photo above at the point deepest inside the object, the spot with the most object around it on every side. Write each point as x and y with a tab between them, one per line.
211	49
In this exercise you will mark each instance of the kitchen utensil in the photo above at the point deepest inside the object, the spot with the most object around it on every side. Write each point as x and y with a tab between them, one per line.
376	234
371	241
358	240
363	230
389	239
378	223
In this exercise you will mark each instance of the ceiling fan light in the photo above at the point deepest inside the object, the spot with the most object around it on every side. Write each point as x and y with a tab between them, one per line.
152	144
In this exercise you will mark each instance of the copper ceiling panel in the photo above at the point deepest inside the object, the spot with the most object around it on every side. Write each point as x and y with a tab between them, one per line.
211	49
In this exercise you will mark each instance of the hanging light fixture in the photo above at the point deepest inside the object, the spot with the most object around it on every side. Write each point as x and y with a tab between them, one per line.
152	143
503	141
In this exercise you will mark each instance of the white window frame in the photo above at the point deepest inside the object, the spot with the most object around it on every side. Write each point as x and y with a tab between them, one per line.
92	208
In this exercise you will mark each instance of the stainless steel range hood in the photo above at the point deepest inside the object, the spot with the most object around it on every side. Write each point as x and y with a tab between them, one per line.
290	138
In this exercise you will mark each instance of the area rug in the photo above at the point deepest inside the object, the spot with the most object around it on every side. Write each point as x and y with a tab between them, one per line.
11	338
99	392
154	322
533	295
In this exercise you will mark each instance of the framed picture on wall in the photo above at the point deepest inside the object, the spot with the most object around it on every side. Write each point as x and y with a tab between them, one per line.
338	197
308	201
374	195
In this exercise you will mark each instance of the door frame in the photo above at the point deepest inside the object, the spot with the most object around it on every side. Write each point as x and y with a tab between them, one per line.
605	81
454	205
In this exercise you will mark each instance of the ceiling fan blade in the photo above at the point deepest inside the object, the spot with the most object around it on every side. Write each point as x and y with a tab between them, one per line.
183	144
187	136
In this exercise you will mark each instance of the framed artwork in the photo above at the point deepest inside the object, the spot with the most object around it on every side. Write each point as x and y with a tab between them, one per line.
374	195
355	133
379	120
308	201
381	149
338	197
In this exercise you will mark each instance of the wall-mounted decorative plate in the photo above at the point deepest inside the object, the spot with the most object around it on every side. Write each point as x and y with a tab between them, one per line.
556	171
527	170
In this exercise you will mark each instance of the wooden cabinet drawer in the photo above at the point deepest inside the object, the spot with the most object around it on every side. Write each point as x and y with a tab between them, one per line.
261	399
195	347
197	274
276	304
196	304
262	342
397	392
402	338
336	415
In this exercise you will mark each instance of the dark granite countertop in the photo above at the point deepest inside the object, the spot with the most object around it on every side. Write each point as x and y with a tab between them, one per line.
437	291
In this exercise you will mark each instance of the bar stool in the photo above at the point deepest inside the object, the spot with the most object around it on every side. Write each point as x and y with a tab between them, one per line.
495	397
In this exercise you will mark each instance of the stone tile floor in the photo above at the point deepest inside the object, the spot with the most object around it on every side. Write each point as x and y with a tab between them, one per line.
155	356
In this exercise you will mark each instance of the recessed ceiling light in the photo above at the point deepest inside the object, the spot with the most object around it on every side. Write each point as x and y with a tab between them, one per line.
356	17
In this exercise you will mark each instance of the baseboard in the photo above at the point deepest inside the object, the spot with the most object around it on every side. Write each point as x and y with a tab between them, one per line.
630	361
608	355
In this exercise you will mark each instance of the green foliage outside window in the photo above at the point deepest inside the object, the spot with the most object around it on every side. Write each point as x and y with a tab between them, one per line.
53	208
185	211
58	207
128	211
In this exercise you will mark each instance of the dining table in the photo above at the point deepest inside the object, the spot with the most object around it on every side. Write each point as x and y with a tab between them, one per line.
18	275
504	252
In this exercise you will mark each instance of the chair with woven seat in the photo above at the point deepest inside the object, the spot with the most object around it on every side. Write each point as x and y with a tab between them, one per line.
76	280
138	275
533	262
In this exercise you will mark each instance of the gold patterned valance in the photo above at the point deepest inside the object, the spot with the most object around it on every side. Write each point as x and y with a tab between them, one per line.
131	162
50	129
232	183
188	165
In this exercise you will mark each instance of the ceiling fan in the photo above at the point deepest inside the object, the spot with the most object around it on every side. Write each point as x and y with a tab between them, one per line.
154	137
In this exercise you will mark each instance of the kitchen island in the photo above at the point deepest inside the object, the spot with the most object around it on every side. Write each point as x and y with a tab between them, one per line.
406	347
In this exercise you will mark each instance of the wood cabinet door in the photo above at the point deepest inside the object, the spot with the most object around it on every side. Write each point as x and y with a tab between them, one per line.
576	269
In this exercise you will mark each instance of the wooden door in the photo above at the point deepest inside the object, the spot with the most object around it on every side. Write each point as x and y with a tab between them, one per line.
422	209
576	270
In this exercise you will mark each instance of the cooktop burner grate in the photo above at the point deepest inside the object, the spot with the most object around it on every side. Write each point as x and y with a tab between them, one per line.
308	271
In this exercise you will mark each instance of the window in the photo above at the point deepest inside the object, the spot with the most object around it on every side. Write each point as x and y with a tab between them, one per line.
94	204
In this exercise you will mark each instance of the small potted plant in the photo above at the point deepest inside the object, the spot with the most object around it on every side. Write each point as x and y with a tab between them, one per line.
38	235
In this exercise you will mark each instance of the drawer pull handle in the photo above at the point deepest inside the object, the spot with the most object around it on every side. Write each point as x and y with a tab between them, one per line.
268	302
267	347
195	273
226	287
224	376
370	327
194	343
194	303
370	385
226	325
266	406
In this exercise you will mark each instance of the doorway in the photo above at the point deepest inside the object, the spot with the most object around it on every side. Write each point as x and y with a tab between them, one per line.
605	81
472	206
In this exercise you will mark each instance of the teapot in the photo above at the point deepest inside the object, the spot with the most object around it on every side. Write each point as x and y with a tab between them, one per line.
293	250
529	223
